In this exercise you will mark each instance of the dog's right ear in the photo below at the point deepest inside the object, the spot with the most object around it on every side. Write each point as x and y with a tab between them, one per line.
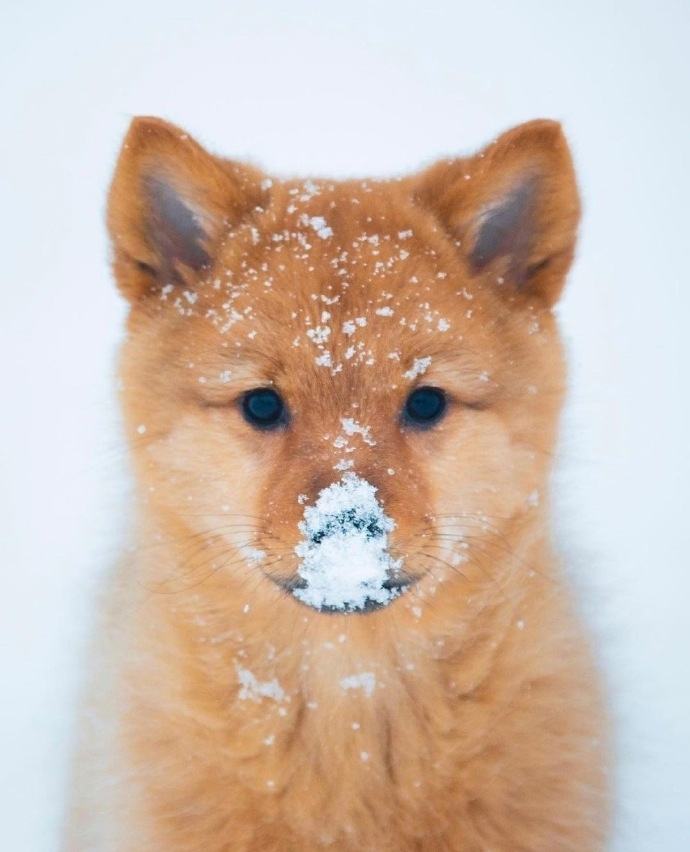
512	209
170	204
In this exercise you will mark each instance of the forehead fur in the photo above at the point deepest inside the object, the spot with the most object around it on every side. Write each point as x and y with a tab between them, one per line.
346	275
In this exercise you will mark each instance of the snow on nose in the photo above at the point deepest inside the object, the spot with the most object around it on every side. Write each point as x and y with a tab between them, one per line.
345	562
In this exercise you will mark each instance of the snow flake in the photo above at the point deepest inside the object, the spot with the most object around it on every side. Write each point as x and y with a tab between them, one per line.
254	690
419	367
318	223
366	681
352	427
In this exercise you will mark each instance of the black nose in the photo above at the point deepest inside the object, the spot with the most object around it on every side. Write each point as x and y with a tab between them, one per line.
347	521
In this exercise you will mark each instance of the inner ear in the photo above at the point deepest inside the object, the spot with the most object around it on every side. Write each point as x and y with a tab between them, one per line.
505	228
170	205
175	229
512	210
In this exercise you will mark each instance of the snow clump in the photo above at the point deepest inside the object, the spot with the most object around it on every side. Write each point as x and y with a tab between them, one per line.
344	555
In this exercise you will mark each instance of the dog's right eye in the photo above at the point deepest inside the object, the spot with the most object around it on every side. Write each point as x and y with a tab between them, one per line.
425	406
264	408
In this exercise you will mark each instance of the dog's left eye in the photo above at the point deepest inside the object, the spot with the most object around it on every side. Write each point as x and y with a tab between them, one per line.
425	406
264	408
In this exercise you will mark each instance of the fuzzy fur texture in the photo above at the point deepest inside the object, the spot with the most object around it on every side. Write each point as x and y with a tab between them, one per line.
224	714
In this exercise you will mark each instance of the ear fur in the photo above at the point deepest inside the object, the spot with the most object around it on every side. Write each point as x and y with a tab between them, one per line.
513	208
170	202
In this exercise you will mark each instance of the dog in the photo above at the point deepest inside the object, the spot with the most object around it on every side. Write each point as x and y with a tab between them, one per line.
340	622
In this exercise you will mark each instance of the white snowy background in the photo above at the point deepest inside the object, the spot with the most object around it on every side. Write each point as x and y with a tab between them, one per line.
363	87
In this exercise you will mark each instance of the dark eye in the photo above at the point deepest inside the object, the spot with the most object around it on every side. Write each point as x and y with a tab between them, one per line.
425	406
263	408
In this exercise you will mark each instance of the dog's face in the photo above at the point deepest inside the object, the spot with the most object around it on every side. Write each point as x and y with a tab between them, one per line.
338	393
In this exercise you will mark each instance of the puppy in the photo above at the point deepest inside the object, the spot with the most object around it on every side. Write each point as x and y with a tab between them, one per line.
340	623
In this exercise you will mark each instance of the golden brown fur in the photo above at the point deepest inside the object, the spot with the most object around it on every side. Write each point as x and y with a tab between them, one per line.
221	719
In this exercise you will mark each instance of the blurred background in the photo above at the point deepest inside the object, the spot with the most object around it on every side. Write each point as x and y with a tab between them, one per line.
365	87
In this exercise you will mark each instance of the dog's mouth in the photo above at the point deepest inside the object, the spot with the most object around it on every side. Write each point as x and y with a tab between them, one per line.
346	563
391	589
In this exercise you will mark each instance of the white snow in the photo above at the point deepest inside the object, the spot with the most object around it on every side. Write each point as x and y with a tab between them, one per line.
320	334
318	223
419	367
352	427
344	554
366	681
255	690
253	554
350	326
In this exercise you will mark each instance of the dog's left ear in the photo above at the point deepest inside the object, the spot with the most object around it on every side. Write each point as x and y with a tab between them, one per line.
170	205
513	209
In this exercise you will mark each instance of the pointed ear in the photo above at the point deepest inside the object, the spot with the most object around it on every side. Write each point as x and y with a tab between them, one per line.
170	203
513	209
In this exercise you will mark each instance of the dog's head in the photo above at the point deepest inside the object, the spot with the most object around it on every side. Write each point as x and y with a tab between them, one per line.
337	392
